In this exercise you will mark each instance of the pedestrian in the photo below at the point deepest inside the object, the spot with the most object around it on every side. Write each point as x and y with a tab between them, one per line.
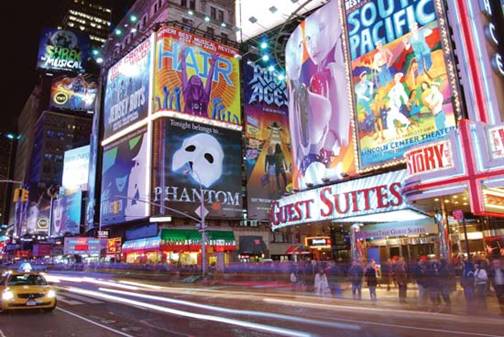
420	275
467	283
401	277
446	278
498	281
480	284
386	272
371	280
355	273
321	284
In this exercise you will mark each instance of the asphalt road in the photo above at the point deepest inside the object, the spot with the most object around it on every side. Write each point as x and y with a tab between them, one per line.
98	306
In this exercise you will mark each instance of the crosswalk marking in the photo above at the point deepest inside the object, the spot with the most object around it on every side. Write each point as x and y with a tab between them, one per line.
74	299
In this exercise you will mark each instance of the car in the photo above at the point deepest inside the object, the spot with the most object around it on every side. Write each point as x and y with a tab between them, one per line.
26	290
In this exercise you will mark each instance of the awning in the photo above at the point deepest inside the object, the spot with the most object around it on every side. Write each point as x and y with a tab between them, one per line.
189	240
297	249
252	245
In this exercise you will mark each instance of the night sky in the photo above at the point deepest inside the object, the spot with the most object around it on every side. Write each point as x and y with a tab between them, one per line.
21	25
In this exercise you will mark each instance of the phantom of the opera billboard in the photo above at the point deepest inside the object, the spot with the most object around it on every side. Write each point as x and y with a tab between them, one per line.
196	76
124	179
320	114
76	93
190	157
403	93
268	158
63	50
127	92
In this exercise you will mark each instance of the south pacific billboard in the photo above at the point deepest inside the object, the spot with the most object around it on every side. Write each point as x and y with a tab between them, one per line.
191	157
196	76
63	50
320	114
268	158
127	91
124	180
400	82
76	93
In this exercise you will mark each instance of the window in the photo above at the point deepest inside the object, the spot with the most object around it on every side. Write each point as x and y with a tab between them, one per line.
187	22
221	15
225	37
144	20
183	3
213	13
192	4
210	31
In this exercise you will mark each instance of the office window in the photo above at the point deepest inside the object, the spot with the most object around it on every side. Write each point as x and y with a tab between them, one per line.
221	15
183	3
187	22
210	31
224	36
213	13
192	4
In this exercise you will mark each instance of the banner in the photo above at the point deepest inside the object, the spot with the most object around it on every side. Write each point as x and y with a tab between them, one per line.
183	64
76	93
67	214
268	158
401	86
124	179
63	50
127	91
195	156
93	190
320	116
76	169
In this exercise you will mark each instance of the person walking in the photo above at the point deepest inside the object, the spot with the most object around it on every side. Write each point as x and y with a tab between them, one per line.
387	273
481	284
498	281
401	276
420	274
321	284
355	273
371	279
467	283
446	279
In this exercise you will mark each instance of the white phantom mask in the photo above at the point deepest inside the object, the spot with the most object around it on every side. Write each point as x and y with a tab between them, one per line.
203	156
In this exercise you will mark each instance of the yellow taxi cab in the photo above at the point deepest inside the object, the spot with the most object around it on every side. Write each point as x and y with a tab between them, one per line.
26	290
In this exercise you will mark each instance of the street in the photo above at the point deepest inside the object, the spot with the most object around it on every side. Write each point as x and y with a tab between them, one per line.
97	305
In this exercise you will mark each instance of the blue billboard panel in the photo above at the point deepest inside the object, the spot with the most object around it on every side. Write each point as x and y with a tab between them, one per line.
124	179
67	214
63	50
127	91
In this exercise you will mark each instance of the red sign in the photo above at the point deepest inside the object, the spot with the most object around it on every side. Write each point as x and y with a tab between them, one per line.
430	158
458	214
496	140
81	248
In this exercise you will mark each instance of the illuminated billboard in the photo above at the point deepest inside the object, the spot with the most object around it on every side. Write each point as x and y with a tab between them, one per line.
127	91
194	156
320	114
183	65
124	180
268	158
67	214
63	50
76	169
403	92
76	93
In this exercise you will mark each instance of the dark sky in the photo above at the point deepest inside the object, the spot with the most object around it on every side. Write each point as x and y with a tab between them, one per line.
21	25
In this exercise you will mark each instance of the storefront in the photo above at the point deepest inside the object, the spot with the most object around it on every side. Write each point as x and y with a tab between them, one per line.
146	250
251	248
86	248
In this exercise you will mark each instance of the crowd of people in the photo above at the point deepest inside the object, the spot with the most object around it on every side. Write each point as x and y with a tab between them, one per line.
435	280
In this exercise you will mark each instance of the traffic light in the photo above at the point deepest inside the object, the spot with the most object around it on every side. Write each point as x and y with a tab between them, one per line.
25	195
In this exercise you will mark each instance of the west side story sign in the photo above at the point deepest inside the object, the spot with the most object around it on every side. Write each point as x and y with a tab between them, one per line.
377	194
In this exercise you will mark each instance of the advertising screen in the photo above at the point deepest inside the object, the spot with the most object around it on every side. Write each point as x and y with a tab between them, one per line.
67	214
195	156
183	65
63	50
268	158
400	82
320	114
76	169
84	246
93	190
124	179
76	93
127	91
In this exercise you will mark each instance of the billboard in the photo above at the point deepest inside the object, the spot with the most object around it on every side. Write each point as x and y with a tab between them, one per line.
400	83
184	63
67	214
76	93
268	158
84	246
93	190
63	50
76	169
320	116
127	90
124	179
193	156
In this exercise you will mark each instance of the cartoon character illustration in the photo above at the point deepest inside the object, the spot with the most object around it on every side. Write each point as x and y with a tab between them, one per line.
136	184
417	41
202	157
64	38
397	98
434	101
196	96
364	91
381	63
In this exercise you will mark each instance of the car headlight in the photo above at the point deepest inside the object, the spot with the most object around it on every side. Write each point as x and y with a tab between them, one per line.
7	295
51	294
